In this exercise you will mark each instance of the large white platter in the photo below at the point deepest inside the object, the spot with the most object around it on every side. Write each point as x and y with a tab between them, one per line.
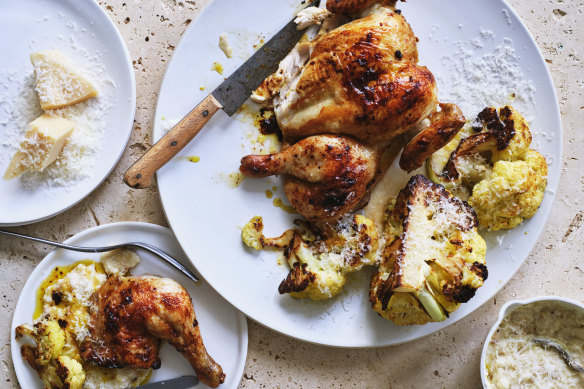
206	214
223	328
81	30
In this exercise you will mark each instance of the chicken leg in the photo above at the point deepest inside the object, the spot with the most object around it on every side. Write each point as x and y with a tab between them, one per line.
327	176
130	314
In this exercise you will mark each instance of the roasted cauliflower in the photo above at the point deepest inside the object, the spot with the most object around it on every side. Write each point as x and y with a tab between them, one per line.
433	259
55	369
319	265
490	165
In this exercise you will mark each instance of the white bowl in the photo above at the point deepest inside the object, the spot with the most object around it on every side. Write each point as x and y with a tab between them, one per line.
510	307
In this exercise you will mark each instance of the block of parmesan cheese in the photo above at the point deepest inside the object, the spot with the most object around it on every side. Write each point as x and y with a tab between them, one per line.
58	83
42	144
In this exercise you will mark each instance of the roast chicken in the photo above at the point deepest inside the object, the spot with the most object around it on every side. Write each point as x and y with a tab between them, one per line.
360	81
130	314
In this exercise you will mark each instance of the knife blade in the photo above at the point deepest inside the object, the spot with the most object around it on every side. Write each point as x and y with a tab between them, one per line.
173	383
229	96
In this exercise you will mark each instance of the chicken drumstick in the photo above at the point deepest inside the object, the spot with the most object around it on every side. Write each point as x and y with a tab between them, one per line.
130	314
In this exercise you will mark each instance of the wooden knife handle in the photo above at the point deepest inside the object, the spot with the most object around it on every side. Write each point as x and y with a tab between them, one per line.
139	175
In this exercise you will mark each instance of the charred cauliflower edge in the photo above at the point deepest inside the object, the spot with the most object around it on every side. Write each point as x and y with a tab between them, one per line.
490	165
319	265
434	258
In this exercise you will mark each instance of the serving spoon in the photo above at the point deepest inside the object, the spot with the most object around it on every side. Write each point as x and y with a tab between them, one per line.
545	343
145	246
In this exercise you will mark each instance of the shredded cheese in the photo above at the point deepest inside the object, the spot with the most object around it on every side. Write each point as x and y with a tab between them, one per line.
514	361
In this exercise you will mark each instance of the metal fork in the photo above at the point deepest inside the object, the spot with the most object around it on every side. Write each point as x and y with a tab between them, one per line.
145	246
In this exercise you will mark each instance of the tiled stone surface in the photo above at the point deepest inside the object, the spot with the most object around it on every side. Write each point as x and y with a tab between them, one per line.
448	359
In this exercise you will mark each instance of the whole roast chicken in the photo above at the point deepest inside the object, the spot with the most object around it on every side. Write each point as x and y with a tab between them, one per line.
361	82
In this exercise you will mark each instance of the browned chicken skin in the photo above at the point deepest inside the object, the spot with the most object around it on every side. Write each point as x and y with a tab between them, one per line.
444	125
130	314
362	80
352	6
359	80
327	176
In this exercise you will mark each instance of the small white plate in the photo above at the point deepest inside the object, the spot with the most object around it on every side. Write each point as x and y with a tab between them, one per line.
223	328
82	31
206	213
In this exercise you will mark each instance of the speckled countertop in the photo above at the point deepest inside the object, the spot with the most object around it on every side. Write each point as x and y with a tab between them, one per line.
447	359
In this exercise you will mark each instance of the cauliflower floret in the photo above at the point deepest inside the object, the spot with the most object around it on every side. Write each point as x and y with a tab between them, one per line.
55	369
319	265
489	162
70	372
49	339
434	258
513	192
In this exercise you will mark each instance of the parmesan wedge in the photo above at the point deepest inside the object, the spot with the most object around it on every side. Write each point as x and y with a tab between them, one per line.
58	83
41	146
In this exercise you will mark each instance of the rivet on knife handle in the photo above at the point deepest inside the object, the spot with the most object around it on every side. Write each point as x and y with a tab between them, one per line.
140	174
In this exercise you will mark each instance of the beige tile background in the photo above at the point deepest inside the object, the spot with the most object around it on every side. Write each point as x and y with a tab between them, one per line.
447	359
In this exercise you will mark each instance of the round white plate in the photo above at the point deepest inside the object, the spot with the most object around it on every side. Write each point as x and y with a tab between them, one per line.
223	328
82	31
206	214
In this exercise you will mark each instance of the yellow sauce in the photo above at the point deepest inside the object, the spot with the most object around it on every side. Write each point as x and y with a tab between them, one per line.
259	43
280	204
274	188
217	67
269	193
235	179
58	273
194	158
202	88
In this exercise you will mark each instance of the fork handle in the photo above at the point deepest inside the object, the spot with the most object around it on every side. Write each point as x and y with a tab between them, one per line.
52	243
140	174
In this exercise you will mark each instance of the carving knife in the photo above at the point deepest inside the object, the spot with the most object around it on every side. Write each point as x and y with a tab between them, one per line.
228	96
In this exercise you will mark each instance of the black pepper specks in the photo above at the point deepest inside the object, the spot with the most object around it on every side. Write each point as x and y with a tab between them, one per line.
398	11
205	113
173	143
398	55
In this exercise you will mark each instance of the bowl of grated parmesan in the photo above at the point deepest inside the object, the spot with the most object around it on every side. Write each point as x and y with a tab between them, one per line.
510	358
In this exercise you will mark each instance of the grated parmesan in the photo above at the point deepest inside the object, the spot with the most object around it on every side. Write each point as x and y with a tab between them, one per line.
482	77
20	106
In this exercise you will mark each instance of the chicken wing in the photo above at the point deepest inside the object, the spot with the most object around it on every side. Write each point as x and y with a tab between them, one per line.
444	125
130	314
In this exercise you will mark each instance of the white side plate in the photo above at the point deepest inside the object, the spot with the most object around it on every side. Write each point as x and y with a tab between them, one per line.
223	328
66	25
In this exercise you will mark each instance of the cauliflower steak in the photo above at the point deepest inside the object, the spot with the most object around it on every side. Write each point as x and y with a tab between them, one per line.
434	258
490	165
319	265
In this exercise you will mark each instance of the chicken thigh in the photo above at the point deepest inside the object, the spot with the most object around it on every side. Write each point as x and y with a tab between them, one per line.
327	176
130	314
